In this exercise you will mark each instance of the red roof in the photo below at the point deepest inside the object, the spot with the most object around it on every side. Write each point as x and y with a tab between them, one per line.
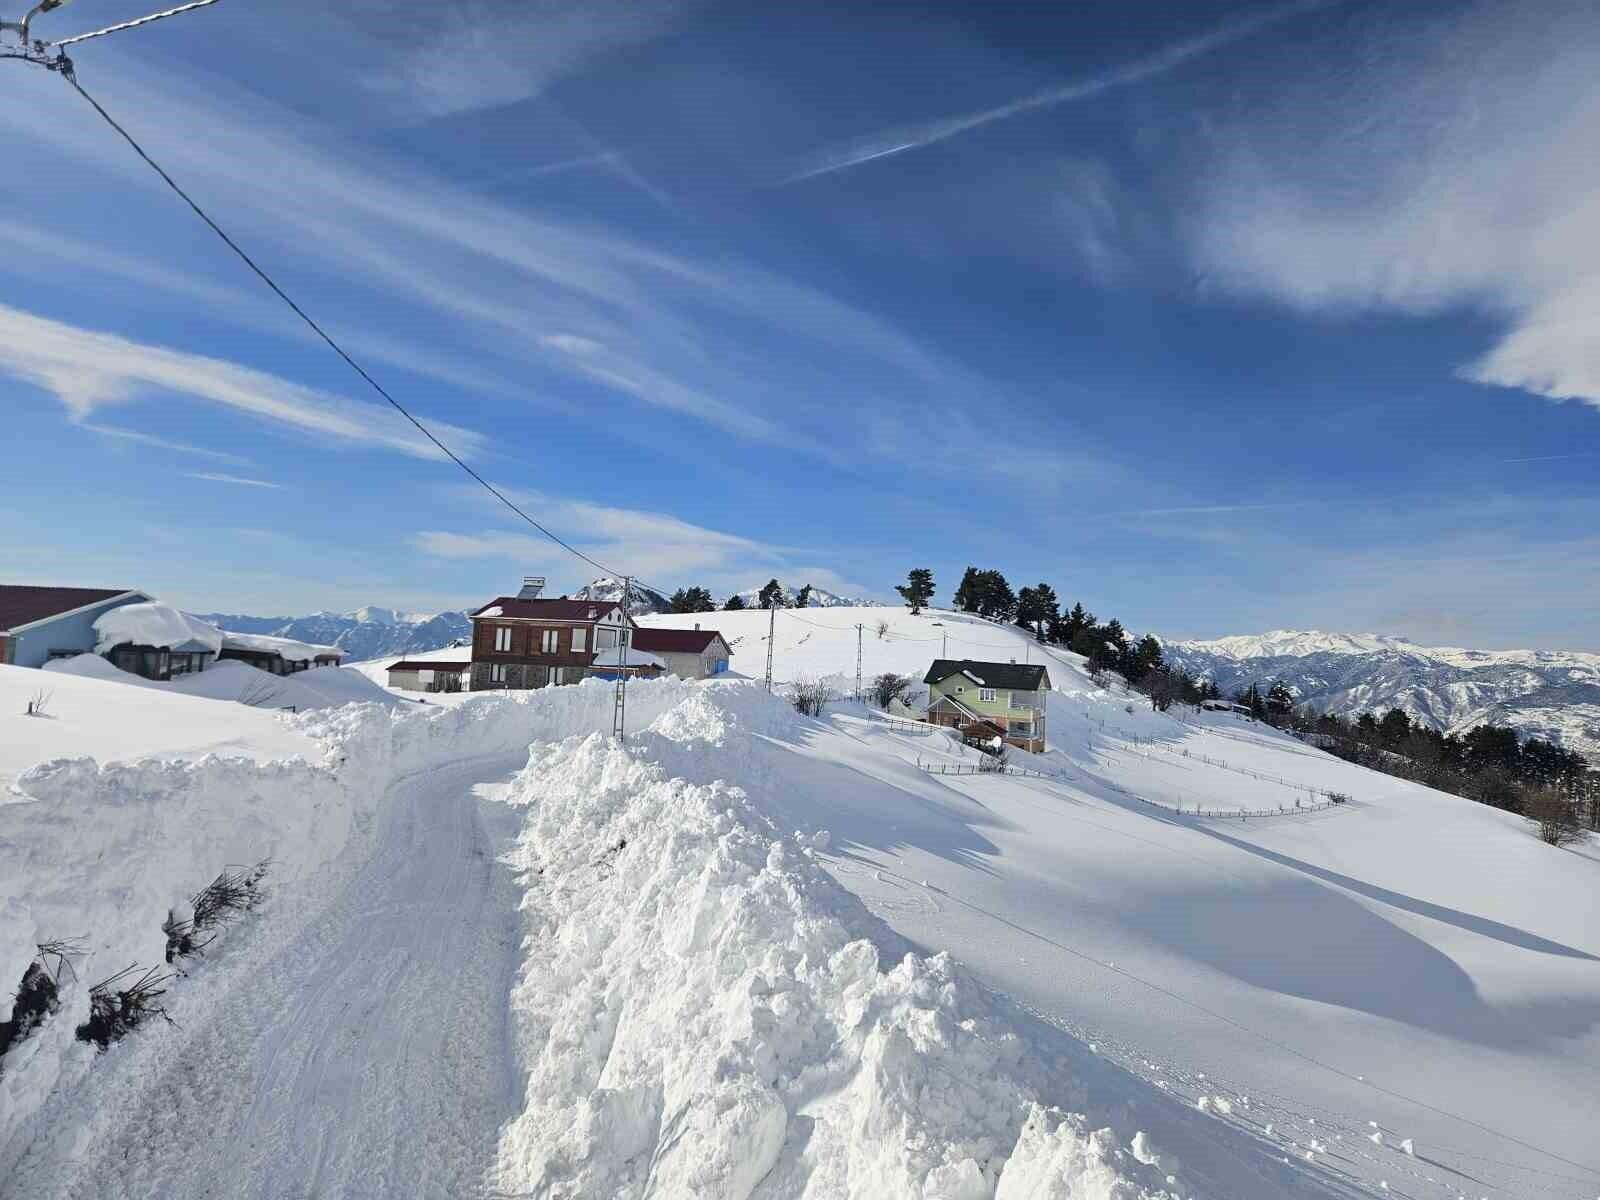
23	605
427	664
552	609
675	641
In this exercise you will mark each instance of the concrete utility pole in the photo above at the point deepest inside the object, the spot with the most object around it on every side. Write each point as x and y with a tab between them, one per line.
772	627
858	661
619	710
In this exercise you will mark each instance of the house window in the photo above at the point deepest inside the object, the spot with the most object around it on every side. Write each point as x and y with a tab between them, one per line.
986	695
497	673
502	639
580	640
605	639
549	640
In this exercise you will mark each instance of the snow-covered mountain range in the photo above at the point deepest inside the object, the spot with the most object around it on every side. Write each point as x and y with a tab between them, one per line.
647	602
369	632
1553	694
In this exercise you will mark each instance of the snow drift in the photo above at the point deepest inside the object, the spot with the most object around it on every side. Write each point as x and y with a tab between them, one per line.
100	852
703	1010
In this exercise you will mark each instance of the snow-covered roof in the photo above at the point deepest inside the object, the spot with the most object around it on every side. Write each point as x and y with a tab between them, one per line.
155	624
287	648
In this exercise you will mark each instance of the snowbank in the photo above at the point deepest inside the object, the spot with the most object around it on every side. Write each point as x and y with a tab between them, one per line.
102	852
318	687
154	624
701	1009
85	714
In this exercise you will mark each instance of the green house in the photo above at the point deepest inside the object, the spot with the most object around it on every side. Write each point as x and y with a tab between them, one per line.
986	699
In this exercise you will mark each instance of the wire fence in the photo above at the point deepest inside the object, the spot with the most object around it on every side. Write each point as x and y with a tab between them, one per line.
980	768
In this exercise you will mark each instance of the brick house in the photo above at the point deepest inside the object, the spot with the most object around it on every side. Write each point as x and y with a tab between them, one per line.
527	641
987	699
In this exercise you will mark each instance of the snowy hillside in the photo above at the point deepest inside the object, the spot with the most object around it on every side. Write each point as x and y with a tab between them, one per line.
1553	694
365	633
756	956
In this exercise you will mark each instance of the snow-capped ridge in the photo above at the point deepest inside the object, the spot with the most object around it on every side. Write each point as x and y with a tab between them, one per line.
1553	694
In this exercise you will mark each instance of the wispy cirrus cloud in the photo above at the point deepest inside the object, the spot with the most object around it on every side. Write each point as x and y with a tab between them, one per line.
88	371
1453	169
887	143
239	480
141	438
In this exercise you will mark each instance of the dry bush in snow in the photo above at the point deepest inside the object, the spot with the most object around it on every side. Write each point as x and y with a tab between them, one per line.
1556	817
810	696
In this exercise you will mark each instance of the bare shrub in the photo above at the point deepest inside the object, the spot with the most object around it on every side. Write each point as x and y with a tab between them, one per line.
881	629
39	704
1338	798
1556	817
889	687
115	1009
810	696
39	994
237	890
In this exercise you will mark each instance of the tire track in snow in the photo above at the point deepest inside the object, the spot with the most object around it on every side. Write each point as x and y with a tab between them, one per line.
368	1056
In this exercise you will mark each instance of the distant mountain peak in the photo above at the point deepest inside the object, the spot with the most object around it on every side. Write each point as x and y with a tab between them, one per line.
643	601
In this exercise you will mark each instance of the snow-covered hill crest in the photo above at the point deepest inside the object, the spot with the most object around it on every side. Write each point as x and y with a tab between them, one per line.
1553	694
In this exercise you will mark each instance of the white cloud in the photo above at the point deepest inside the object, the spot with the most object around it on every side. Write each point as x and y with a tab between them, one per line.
88	371
511	291
473	54
219	477
658	548
1453	168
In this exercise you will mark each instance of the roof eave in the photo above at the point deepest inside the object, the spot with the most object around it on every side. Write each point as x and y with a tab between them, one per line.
82	608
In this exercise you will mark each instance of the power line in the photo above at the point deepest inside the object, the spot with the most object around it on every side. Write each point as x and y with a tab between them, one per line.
64	68
135	23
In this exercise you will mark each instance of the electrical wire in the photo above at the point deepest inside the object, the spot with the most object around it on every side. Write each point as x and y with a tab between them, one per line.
267	279
134	24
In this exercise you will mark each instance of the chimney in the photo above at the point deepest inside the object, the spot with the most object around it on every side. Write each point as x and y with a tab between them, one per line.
532	585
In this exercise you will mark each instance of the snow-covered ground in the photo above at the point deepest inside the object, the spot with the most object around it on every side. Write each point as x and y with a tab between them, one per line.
756	955
112	722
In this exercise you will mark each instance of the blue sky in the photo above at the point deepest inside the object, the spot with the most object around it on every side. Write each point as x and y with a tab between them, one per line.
1220	317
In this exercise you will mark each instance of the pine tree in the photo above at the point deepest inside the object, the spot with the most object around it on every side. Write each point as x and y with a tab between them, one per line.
1049	611
770	596
692	600
1074	623
1280	701
803	597
735	603
998	600
969	595
1027	608
917	590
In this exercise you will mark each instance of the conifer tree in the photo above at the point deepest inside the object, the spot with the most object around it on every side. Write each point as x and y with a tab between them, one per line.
771	595
917	590
735	603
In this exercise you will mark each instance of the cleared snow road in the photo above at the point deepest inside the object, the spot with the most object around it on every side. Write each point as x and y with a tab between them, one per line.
363	1053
